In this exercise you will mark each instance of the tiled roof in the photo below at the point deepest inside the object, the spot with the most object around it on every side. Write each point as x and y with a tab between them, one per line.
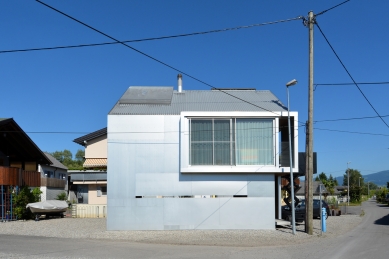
55	162
90	136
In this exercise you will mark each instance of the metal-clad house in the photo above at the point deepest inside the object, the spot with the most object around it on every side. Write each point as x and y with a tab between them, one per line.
197	159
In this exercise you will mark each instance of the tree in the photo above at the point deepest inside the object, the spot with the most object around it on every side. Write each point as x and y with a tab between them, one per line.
80	155
63	156
355	178
66	158
332	179
329	183
355	183
321	177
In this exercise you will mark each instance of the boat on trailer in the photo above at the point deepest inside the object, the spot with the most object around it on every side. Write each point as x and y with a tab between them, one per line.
48	207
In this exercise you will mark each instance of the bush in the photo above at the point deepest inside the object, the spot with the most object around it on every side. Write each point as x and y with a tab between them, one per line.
381	194
24	197
62	196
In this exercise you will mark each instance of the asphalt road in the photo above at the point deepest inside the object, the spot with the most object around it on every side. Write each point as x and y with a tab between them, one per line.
368	240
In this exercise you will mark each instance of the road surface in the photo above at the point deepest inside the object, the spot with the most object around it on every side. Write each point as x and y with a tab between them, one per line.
368	240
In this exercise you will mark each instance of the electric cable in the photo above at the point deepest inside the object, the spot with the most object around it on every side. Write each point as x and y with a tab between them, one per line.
333	50
354	132
155	59
372	83
149	39
357	118
320	13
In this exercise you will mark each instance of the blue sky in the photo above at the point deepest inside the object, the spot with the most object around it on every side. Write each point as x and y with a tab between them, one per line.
59	95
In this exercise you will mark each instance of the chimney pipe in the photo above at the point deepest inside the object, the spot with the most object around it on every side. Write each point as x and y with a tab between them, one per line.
179	79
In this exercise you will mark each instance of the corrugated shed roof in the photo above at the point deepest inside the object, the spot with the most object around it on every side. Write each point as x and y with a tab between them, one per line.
204	100
55	162
90	136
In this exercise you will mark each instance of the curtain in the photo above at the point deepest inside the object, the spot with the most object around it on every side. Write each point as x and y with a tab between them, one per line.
254	142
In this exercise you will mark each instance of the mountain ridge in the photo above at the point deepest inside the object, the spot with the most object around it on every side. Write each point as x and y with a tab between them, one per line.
379	178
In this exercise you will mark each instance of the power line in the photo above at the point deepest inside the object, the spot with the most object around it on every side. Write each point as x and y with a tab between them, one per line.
333	50
358	118
155	59
354	132
331	8
149	39
371	83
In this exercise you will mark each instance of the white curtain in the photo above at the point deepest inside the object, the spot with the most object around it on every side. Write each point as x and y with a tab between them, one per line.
254	142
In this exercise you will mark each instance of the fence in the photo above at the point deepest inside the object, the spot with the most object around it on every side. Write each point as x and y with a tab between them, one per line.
89	211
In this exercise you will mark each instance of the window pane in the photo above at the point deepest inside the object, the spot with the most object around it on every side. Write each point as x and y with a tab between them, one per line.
222	153
221	130
222	147
201	142
201	130
254	142
201	153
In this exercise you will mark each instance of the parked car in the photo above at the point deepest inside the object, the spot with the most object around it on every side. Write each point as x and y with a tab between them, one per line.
300	210
387	198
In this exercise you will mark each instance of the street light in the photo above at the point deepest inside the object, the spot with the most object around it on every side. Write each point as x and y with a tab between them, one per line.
348	186
291	83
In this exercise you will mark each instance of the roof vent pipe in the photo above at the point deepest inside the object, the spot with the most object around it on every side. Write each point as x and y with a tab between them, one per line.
179	79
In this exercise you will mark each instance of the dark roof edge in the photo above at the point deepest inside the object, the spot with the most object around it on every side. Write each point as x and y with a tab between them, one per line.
90	136
11	120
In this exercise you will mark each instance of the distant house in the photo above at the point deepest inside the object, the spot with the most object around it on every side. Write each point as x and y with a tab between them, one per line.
53	179
200	159
19	160
315	188
89	186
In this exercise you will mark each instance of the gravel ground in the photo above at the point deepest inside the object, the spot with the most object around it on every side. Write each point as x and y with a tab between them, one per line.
96	229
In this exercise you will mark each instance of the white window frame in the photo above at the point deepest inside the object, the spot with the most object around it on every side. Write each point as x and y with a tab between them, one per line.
185	167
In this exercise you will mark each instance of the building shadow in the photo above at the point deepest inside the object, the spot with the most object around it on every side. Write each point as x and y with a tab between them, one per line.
382	221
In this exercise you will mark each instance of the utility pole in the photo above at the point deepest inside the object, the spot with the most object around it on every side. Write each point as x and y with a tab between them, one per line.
309	144
368	190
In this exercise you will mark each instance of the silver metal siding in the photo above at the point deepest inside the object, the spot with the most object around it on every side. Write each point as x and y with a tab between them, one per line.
150	166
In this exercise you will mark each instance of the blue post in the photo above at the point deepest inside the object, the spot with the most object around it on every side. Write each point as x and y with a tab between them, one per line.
2	204
323	222
11	207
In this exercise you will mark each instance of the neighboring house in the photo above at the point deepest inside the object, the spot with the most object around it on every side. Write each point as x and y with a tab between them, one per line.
205	159
315	190
53	179
19	159
89	186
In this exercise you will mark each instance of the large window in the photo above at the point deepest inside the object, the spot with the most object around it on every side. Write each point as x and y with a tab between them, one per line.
231	142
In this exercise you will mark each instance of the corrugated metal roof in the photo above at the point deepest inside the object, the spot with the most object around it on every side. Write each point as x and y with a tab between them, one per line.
90	136
147	95
205	100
